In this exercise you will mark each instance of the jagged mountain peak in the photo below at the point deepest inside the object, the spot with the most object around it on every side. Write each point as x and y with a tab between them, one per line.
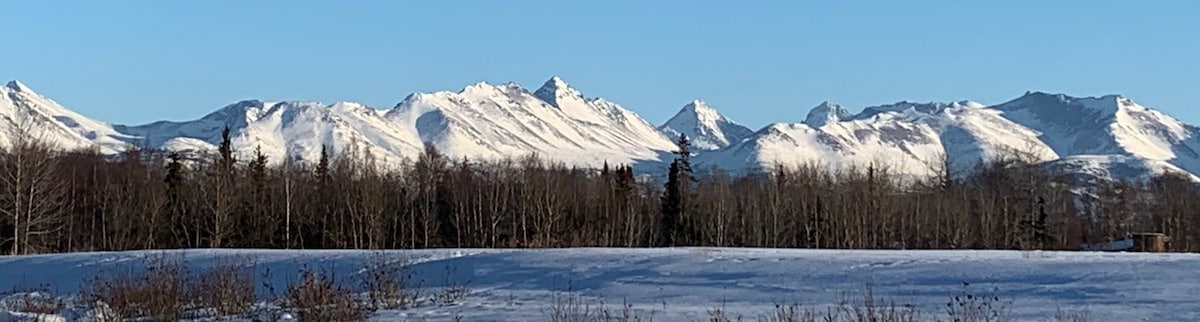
702	111
1107	104
557	82
484	87
705	126
477	86
239	113
909	108
826	113
556	89
1064	97
346	107
242	107
18	86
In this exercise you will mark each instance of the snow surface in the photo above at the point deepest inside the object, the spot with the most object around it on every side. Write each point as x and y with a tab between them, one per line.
681	284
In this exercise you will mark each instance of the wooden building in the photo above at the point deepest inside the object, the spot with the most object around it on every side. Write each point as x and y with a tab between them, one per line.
1135	242
1149	242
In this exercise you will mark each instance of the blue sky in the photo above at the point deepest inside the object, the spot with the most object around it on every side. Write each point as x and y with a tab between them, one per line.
756	61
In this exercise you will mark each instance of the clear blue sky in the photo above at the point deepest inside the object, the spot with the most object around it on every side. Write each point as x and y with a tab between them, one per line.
756	61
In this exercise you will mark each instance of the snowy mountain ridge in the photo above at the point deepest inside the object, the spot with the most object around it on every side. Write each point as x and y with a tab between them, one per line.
1109	136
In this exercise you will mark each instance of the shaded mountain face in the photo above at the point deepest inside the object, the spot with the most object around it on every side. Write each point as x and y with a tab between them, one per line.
1108	137
705	127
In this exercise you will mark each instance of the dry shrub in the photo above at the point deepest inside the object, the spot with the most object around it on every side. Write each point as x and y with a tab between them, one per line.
227	289
870	309
966	306
41	304
626	314
572	308
35	300
317	297
718	314
389	281
453	288
154	292
1070	316
789	313
569	308
963	307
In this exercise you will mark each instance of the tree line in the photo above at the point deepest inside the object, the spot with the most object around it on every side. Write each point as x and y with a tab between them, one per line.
54	200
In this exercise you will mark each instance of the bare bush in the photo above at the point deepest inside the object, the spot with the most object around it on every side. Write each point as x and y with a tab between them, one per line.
154	292
34	300
719	314
966	306
570	308
227	289
390	282
869	309
454	288
1070	316
573	308
41	304
317	297
625	314
789	313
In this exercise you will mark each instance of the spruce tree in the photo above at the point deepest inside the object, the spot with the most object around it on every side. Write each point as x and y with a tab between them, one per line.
176	209
256	218
673	224
314	230
221	195
226	150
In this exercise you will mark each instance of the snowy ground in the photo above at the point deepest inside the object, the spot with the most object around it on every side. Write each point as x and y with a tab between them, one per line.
682	284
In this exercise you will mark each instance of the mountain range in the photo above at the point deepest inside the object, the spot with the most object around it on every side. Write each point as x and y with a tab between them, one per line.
1110	137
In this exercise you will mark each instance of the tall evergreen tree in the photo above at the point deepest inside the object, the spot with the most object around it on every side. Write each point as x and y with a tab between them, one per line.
258	228
177	216
673	224
221	194
322	170
313	229
226	150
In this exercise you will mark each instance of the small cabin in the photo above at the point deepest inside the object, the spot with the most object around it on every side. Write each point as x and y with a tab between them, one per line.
1135	242
1149	242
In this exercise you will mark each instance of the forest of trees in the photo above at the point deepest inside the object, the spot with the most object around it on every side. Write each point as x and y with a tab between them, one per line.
53	200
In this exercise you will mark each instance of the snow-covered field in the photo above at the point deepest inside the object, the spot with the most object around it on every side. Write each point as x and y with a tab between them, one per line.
682	284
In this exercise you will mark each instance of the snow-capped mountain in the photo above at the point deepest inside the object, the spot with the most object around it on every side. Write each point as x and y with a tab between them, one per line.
1099	137
482	121
286	130
1108	125
556	122
705	127
906	137
27	113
